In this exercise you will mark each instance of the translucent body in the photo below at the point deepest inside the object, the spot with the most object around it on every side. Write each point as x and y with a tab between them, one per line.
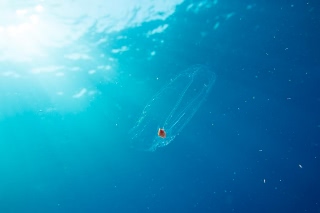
172	108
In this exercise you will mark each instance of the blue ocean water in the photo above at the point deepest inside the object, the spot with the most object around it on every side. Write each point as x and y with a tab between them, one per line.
75	78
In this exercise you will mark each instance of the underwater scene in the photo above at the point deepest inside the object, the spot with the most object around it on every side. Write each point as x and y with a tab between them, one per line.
159	106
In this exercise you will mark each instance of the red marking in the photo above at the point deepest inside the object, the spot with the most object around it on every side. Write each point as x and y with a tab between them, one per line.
161	133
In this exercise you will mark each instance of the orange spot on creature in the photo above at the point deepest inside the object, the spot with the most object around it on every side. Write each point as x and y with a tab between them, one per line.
161	133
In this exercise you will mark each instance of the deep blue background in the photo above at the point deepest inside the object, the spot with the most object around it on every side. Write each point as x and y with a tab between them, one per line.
253	146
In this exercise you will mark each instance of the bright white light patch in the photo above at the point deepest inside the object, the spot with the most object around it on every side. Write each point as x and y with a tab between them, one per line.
78	56
91	72
80	94
39	8
159	29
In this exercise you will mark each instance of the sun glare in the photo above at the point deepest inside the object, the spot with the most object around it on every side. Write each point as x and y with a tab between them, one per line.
62	49
20	32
